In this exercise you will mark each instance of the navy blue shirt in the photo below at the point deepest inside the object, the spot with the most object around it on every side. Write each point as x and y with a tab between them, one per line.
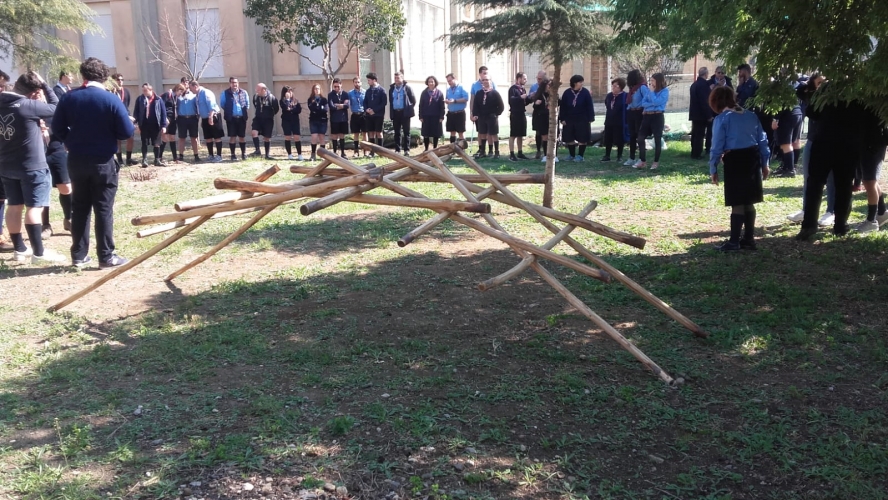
746	90
97	137
376	100
699	109
577	106
338	115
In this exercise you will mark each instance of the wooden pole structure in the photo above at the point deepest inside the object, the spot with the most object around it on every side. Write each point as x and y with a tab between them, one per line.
344	194
151	231
476	179
224	243
117	271
225	197
438	219
431	204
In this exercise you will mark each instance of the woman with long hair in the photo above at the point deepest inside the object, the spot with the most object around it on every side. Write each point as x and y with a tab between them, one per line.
635	81
431	112
290	111
540	120
739	142
317	119
653	101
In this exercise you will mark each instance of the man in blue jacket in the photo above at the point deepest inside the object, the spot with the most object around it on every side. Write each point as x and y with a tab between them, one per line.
700	115
91	147
403	102
23	169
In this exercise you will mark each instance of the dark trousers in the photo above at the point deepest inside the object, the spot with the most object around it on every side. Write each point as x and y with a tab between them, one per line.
700	129
651	125
94	186
826	158
401	124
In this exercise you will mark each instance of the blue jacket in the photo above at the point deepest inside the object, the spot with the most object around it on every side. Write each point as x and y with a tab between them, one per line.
577	108
375	99
737	130
653	100
159	111
97	136
226	101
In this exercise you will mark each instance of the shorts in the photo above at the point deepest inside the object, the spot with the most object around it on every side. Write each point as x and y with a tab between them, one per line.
237	127
871	163
374	123
171	126
789	130
358	123
57	161
337	128
265	126
518	125
187	126
456	121
488	125
317	127
213	131
29	188
576	131
291	127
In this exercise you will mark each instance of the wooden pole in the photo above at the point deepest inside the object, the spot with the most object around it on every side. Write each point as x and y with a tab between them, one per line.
524	264
117	271
225	197
222	244
432	204
438	219
318	169
269	199
258	187
151	231
344	194
477	179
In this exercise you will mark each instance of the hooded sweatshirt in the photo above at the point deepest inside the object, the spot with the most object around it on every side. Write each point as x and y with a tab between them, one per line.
21	140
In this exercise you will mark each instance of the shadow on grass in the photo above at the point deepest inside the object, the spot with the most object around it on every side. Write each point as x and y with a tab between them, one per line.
404	370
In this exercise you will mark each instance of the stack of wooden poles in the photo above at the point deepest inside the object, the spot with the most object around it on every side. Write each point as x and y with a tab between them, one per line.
337	180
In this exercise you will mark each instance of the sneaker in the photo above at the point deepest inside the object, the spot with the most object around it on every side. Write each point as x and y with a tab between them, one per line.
131	162
806	233
521	156
629	162
655	165
255	154
827	219
747	245
578	159
81	263
6	246
867	226
66	225
144	163
268	157
115	261
197	159
313	158
728	246
243	157
796	217
48	257
538	155
882	219
543	159
496	156
290	157
233	157
606	159
619	159
480	156
159	163
300	158
556	159
512	157
46	233
571	158
639	165
785	173
22	256
841	230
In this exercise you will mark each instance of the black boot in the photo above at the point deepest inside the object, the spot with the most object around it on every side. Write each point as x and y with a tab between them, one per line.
748	241
733	244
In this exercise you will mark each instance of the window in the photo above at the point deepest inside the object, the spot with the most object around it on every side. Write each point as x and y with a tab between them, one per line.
423	50
499	69
533	64
204	42
317	55
100	45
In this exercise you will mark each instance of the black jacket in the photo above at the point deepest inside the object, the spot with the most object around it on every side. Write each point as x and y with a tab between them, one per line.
338	115
317	109
518	99
493	105
409	104
141	116
699	109
21	140
266	107
431	106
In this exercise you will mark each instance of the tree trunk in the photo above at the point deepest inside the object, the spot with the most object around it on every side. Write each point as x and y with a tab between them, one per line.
552	146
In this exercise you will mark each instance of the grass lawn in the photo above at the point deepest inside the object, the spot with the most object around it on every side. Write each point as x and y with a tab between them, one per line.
314	357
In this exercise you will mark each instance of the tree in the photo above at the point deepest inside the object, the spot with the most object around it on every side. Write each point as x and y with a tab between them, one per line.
326	24
559	30
189	41
840	39
649	58
28	31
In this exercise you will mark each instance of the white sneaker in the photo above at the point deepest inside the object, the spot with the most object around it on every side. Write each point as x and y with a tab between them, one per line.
544	159
289	157
556	159
48	257
629	163
867	226
23	256
827	220
300	158
796	217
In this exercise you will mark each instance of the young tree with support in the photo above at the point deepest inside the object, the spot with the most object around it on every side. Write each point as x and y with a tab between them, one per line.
327	24
560	30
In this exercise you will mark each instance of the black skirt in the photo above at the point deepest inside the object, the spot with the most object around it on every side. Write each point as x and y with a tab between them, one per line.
743	177
432	127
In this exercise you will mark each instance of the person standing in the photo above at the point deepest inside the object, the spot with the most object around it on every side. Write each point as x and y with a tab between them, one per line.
150	115
541	75
188	120
739	142
720	79
456	99
23	169
210	121
358	120
540	120
169	103
431	112
235	104
375	101
94	173
653	101
317	119
518	101
476	87
487	106
874	142
402	110
63	86
290	111
634	112
747	86
124	94
338	102
615	128
700	115
266	106
577	112
57	161
5	245
787	126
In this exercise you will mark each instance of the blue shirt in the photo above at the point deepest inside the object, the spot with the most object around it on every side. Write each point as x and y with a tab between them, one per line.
534	87
477	86
236	108
635	103
737	130
653	101
398	97
206	102
356	100
187	104
457	92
